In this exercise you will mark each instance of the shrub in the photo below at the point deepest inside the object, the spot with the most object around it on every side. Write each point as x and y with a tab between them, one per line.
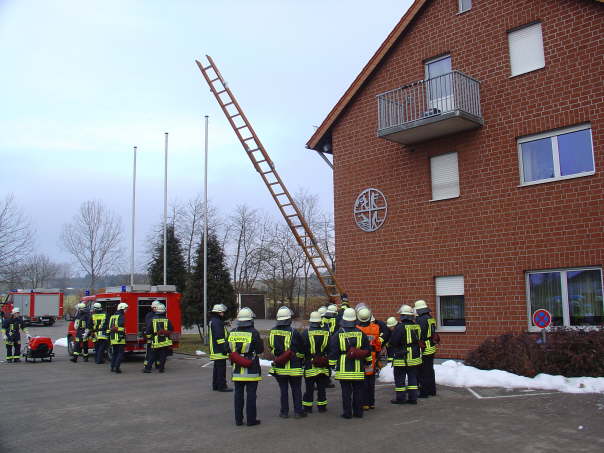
567	352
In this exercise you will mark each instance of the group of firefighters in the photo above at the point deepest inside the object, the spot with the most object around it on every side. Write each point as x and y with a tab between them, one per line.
348	342
106	331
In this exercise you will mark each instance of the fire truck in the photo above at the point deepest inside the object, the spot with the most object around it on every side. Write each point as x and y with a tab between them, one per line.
139	299
37	306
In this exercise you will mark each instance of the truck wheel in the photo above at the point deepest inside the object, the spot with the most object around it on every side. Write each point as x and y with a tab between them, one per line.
70	346
51	321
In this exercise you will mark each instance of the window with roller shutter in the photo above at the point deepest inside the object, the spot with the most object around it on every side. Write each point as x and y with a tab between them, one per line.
526	49
450	303
445	176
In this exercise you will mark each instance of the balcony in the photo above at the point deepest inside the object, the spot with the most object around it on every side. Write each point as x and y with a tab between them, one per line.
428	109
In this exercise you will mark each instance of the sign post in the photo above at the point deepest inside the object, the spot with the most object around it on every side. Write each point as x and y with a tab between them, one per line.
542	319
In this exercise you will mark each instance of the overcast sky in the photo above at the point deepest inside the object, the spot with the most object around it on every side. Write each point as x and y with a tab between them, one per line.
82	82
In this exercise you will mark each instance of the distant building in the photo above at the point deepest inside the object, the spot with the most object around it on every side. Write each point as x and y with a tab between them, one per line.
468	158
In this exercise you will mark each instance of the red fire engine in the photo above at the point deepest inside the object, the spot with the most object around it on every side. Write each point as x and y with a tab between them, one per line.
38	305
139	299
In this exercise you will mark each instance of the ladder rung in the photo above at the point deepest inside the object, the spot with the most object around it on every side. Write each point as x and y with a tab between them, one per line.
266	172
228	103
314	257
236	114
273	183
214	80
292	215
286	204
241	127
248	139
207	67
297	226
260	161
253	150
279	194
220	92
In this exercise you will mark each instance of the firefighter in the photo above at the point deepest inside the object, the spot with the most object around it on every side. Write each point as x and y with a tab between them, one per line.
117	336
405	354
330	319
344	304
82	325
99	332
349	350
219	347
148	348
429	340
372	330
159	328
316	368
12	326
287	346
245	345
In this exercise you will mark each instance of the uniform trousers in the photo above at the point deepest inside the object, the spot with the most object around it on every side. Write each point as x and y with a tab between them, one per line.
80	347
369	390
295	382
250	388
99	351
158	356
351	397
319	381
427	381
13	350
117	355
219	375
405	382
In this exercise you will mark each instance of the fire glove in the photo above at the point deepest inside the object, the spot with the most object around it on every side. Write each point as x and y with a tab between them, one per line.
356	353
422	344
283	358
320	361
435	338
115	329
237	358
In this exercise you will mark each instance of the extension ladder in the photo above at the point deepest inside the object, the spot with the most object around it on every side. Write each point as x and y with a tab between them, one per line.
265	167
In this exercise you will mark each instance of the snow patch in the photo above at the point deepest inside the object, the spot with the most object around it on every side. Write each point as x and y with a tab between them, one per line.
61	342
456	374
199	352
264	362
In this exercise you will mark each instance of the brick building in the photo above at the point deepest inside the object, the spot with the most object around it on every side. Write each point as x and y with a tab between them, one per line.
468	159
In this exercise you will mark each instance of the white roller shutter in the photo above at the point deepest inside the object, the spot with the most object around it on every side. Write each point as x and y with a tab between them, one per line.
449	286
445	176
526	49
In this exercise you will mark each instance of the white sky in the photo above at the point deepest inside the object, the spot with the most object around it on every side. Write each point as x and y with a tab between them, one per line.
82	82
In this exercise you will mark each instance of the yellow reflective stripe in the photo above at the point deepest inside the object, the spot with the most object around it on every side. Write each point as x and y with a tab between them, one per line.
218	356
220	341
333	362
400	389
412	387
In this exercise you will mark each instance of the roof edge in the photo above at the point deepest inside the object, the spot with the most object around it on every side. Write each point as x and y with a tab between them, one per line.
367	70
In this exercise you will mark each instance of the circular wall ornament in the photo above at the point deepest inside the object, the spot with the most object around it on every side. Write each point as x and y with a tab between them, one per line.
370	210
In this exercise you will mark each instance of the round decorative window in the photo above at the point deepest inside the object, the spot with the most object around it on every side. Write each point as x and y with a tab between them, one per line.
370	210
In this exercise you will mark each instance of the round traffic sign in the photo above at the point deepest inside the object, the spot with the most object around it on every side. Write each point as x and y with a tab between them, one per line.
542	318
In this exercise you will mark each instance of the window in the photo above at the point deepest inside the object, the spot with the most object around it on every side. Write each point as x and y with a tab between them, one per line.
465	5
450	305
573	296
526	49
445	176
562	154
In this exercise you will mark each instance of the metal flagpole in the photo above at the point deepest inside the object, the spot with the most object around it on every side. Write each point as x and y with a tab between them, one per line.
205	237
133	219
165	207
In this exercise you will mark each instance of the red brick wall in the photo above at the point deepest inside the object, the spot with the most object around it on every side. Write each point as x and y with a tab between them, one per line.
495	230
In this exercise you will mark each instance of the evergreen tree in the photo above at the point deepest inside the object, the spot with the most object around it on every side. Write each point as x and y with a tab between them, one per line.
176	273
220	288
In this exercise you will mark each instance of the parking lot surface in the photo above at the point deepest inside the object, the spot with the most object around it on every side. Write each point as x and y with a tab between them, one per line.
65	407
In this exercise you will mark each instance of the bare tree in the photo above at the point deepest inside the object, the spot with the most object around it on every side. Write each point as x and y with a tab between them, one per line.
94	239
37	270
15	237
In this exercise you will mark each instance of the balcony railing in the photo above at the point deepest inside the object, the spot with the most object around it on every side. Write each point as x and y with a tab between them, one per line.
430	108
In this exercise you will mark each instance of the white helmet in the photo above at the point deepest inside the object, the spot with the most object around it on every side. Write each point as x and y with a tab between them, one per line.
391	322
284	313
359	306
364	314
322	311
81	306
245	314
155	304
16	310
219	308
122	306
333	308
315	317
419	304
161	308
97	306
406	310
349	315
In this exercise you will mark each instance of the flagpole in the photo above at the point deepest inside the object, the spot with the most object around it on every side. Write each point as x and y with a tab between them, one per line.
133	219
165	207
205	237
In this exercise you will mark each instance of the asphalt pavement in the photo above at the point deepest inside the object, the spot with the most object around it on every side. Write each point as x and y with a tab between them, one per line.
65	407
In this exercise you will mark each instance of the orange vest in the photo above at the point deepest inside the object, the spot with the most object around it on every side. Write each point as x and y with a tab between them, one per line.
373	334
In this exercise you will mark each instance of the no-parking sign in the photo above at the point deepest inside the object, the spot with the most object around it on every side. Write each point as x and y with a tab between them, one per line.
542	318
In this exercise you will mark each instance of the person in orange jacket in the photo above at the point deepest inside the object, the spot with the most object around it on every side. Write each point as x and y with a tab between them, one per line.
372	330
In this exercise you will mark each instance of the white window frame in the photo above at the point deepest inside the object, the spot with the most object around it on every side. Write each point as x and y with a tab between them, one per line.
564	289
458	178
510	32
439	326
460	7
556	155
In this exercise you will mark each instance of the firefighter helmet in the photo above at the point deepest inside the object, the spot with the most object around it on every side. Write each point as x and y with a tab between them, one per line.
419	304
315	317
364	314
349	315
16	311
332	308
245	314
359	306
406	310
322	311
161	308
122	306
344	300
284	313
154	304
219	308
391	322
97	306
81	306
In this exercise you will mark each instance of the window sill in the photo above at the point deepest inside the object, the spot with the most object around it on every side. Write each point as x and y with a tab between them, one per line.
533	329
460	329
562	178
527	72
441	199
459	13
